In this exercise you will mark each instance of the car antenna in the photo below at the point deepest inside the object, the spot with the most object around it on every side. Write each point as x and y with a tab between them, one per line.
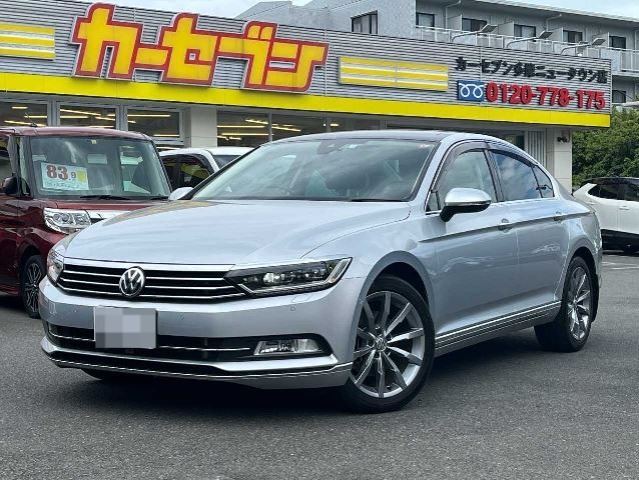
33	125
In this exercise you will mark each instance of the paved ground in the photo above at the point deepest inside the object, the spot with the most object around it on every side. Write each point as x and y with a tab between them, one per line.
504	409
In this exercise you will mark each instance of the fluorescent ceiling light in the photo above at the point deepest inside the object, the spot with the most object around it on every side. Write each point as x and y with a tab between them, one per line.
68	116
150	115
242	126
244	134
81	112
261	122
15	122
288	129
19	107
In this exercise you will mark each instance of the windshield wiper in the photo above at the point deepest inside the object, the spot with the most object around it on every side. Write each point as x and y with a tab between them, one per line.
104	197
364	200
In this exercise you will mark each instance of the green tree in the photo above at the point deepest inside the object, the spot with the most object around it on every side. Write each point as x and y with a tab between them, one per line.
608	152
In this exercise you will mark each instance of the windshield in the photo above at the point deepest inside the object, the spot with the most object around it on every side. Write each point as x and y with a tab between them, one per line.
343	169
97	167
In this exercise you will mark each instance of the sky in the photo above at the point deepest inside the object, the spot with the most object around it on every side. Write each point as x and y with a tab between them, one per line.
231	8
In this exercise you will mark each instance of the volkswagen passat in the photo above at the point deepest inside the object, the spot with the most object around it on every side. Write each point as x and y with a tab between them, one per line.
344	260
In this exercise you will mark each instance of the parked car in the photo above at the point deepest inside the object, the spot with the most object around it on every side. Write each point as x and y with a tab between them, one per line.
616	202
345	260
57	181
187	167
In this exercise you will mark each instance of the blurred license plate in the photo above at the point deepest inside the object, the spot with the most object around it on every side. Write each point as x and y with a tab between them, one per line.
125	327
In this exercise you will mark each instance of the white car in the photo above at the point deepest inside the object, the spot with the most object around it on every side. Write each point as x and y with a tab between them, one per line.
616	202
187	167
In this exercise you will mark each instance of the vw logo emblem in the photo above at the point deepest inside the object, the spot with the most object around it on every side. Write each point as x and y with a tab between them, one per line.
132	282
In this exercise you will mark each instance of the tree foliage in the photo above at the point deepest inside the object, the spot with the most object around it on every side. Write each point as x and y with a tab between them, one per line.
608	152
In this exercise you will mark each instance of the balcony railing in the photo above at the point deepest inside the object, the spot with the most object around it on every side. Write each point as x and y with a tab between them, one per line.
622	60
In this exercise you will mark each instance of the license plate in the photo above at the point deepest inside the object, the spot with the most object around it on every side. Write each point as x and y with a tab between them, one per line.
125	327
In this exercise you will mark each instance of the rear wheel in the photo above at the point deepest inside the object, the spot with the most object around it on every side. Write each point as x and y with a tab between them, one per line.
570	330
394	348
32	274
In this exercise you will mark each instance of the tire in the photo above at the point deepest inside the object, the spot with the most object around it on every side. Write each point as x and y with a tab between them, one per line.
33	271
115	377
630	249
403	350
570	330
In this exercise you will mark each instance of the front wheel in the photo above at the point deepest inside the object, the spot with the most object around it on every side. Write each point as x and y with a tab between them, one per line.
394	348
32	274
570	330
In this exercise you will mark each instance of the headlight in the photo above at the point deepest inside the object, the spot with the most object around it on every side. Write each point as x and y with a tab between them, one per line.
55	264
66	221
291	278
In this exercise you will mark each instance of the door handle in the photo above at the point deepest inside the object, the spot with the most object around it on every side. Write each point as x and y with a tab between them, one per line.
505	225
559	216
624	208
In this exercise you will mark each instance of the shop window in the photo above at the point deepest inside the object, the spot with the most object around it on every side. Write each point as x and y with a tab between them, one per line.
525	31
572	36
285	126
22	114
87	116
365	23
425	20
619	96
351	124
161	125
473	24
242	129
618	42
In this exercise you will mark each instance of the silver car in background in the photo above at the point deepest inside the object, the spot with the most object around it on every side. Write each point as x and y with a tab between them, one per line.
346	260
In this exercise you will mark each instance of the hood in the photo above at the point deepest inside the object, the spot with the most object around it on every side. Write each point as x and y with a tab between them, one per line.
228	233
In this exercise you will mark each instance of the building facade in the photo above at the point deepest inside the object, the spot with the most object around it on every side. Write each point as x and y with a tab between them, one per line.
194	80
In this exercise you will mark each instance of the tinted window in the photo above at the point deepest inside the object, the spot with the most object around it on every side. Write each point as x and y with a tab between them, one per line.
192	172
5	164
632	193
468	170
545	184
517	178
610	192
170	164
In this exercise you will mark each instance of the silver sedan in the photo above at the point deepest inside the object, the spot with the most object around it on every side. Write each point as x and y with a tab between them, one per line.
346	260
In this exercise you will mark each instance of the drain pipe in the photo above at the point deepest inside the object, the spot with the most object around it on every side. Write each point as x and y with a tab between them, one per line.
456	4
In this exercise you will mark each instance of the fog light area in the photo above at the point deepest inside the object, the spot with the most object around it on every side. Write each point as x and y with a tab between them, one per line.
291	346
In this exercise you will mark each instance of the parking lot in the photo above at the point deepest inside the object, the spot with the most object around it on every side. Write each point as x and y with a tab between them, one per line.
504	409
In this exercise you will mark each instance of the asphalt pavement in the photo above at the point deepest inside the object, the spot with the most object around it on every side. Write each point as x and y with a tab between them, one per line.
504	409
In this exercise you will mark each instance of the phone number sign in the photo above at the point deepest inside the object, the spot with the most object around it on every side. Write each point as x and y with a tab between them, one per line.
523	94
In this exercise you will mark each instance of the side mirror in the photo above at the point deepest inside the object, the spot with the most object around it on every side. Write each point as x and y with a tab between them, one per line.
464	200
180	193
10	186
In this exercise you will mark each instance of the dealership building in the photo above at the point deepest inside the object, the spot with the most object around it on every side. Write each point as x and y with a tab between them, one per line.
527	74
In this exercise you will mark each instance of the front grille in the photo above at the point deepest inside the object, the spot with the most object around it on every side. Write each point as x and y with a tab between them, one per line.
168	346
162	284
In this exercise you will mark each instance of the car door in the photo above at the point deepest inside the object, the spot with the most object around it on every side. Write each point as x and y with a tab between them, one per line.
604	199
629	211
539	220
476	268
8	219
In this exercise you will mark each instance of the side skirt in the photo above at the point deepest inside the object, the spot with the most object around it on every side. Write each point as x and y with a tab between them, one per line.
464	337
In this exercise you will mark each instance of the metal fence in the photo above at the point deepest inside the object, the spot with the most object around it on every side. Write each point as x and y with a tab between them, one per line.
622	60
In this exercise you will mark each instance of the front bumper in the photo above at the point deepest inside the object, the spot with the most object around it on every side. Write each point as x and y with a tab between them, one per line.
327	314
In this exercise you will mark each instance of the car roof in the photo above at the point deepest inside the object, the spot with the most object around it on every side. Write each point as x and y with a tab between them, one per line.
72	132
613	180
212	150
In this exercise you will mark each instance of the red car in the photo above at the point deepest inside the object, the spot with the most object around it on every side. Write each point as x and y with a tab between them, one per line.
56	181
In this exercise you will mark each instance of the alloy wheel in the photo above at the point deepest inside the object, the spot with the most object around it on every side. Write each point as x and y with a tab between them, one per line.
390	345
579	303
34	275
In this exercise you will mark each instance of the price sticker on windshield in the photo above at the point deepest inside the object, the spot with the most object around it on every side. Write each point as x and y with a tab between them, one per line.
64	177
